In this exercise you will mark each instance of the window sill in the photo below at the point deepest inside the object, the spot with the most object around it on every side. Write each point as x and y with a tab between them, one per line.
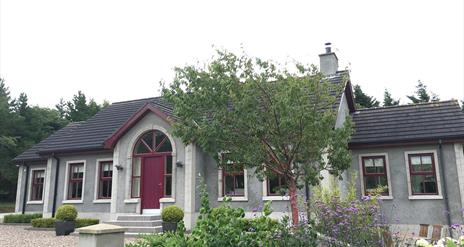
34	202
132	200
426	197
72	201
276	198
102	201
167	199
386	197
234	199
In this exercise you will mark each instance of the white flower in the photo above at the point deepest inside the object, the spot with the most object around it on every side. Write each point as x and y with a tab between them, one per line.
422	243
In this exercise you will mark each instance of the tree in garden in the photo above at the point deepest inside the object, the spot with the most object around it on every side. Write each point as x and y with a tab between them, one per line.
363	100
277	121
421	95
388	100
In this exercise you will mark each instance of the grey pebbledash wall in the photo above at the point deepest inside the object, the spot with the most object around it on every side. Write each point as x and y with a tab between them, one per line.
401	209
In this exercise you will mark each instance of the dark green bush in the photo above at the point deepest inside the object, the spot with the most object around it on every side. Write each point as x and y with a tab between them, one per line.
43	223
82	222
66	213
172	214
50	222
20	218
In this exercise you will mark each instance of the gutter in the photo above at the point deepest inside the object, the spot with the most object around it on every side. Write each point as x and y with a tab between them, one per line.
25	189
445	191
56	184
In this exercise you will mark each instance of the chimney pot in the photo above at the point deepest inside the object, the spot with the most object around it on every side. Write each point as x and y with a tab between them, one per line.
328	49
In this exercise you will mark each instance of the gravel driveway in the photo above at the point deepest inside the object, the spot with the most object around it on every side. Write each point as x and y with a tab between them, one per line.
16	235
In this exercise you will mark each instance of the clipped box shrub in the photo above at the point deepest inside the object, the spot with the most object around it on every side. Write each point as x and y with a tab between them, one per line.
66	213
82	222
172	214
43	222
20	218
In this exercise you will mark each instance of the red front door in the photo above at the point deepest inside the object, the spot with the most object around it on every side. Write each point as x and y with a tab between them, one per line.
152	181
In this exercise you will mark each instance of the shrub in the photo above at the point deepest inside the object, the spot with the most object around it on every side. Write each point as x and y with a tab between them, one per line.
66	213
20	218
172	214
357	222
82	222
43	223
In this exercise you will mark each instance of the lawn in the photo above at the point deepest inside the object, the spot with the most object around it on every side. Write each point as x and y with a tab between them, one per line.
7	207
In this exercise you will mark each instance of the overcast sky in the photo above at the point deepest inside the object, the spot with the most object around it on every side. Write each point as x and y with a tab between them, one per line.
120	50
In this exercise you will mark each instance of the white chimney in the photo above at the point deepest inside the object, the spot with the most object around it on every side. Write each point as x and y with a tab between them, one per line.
328	61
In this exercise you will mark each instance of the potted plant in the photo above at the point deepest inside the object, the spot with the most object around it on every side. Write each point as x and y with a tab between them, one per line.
171	215
65	220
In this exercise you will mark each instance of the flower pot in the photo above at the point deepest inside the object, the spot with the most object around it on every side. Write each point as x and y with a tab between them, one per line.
64	227
169	226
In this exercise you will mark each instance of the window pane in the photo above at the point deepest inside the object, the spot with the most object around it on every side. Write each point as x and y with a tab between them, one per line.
229	185
169	164
375	182
274	185
148	138
136	167
426	159
424	184
378	162
416	163
368	163
136	187
168	186
140	148
165	147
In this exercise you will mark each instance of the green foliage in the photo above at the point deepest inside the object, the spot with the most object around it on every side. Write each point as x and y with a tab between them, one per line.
50	222
172	214
348	220
43	222
79	109
66	213
266	117
82	222
363	100
226	226
422	95
20	218
388	99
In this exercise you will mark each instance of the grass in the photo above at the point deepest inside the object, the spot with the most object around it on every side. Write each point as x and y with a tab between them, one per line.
7	207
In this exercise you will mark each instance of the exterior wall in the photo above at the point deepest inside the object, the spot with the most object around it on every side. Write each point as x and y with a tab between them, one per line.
404	210
31	206
122	203
89	207
254	201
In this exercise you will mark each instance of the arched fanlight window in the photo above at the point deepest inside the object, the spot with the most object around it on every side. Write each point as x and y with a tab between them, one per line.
153	141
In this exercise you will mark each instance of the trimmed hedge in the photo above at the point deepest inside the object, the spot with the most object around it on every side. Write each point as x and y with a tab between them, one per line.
172	214
50	222
43	223
66	213
81	222
20	218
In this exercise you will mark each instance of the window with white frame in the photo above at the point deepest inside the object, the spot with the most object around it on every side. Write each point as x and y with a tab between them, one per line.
422	174
375	175
232	179
105	179
75	181
37	185
276	185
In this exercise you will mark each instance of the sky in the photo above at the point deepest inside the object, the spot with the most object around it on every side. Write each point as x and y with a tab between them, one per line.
121	50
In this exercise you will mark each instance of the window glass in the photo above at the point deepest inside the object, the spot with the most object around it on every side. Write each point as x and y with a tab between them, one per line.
168	186
422	174
375	175
136	187
136	167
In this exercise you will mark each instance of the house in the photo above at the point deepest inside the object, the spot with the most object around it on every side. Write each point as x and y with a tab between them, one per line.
125	162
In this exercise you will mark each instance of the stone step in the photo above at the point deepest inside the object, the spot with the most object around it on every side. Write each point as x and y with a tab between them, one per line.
144	229
138	217
135	222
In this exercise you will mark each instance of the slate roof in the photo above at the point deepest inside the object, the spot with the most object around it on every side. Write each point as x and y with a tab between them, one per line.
419	122
91	134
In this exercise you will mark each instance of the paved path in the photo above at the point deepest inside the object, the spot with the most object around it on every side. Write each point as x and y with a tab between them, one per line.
11	235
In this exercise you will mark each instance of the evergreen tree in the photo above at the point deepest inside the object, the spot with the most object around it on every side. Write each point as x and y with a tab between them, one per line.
363	100
421	95
388	100
79	109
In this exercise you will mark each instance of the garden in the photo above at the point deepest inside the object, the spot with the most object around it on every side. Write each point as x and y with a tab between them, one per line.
334	221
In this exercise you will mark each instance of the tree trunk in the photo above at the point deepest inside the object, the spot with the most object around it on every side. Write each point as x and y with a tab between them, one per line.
292	190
